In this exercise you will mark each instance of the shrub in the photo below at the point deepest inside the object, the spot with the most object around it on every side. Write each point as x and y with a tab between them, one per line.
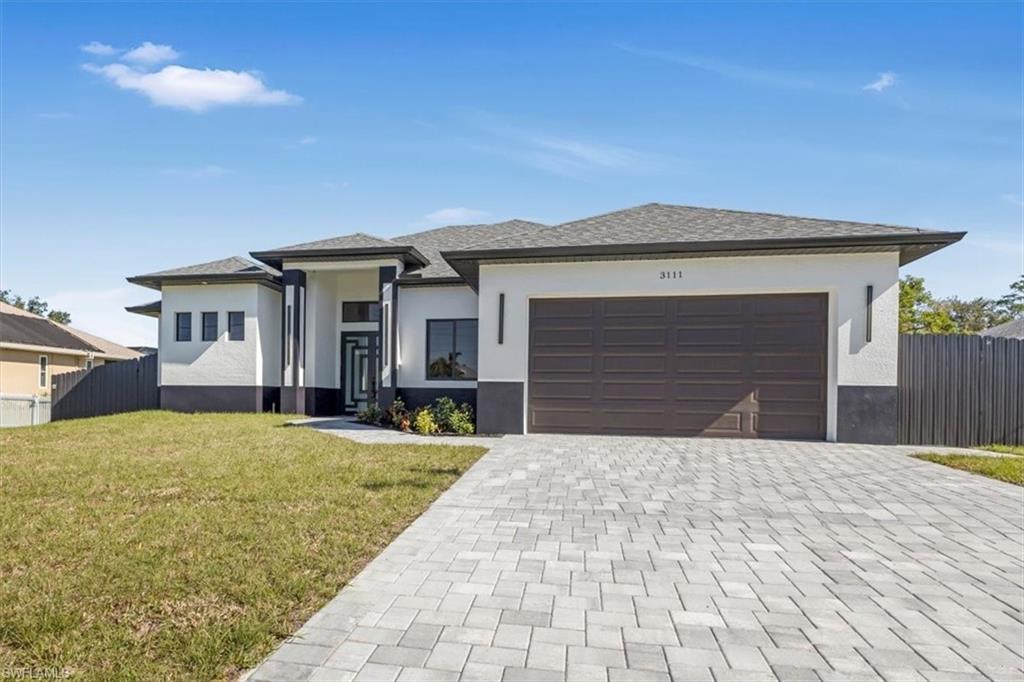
462	422
423	422
398	416
371	414
442	410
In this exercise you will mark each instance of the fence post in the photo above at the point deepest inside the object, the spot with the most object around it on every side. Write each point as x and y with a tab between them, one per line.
35	410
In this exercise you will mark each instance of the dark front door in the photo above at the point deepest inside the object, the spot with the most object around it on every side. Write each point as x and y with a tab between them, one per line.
742	366
358	370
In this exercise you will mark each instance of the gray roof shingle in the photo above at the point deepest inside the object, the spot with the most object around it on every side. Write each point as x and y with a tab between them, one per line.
431	242
225	269
1014	329
225	266
356	240
656	223
36	331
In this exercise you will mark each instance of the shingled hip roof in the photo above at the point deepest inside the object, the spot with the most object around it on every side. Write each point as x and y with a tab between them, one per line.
225	270
38	331
661	230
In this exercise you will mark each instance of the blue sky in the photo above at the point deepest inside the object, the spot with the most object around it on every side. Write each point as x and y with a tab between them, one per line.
322	119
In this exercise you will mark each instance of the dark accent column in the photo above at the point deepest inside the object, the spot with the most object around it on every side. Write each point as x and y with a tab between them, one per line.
386	274
499	407
867	414
293	397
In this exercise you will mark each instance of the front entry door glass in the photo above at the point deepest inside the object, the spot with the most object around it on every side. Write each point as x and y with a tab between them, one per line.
358	369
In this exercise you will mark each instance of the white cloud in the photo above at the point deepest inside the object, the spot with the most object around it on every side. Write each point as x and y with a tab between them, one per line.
455	216
885	80
1014	199
194	89
738	72
149	53
98	48
559	154
102	312
308	139
207	171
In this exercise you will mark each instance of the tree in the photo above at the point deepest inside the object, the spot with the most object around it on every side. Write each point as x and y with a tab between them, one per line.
915	304
36	306
1012	304
971	317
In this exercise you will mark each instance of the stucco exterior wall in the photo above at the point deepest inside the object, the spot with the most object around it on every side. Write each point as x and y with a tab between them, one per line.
416	305
221	362
268	323
843	276
326	292
19	370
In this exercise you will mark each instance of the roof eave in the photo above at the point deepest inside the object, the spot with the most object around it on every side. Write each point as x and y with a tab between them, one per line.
148	309
158	282
910	246
407	254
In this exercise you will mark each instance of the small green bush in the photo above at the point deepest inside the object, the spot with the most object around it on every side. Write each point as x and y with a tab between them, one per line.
442	410
371	414
452	418
461	423
423	422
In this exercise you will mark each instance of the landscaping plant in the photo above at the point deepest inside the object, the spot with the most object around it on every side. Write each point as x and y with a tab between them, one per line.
424	422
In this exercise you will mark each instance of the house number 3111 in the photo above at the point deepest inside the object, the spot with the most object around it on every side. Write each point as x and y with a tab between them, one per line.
670	274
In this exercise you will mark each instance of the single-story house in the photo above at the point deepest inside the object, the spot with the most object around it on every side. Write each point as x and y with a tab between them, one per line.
658	319
33	349
1014	329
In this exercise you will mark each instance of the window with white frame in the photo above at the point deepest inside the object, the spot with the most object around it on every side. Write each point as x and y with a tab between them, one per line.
44	370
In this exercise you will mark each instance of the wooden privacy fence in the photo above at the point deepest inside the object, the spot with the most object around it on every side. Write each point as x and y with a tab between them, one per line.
961	390
124	386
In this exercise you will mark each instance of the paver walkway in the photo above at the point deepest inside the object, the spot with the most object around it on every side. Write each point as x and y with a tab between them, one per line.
592	558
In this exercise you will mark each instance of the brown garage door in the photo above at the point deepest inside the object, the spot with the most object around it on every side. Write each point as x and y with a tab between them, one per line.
745	366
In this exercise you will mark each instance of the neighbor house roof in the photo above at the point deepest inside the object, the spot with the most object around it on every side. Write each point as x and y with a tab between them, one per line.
25	330
1014	329
662	230
431	242
356	246
224	271
21	328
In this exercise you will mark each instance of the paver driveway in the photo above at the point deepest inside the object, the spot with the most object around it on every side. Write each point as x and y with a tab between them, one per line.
596	558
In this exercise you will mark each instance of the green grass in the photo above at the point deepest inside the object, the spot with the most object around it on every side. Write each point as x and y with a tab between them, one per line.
1006	449
1008	469
155	545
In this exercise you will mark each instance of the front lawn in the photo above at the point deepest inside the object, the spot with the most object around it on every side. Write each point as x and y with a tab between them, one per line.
1009	469
156	545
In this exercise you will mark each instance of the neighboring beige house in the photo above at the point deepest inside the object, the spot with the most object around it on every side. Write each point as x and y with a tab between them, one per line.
33	349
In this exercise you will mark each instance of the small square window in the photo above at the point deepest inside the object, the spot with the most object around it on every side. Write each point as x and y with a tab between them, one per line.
183	326
236	326
209	326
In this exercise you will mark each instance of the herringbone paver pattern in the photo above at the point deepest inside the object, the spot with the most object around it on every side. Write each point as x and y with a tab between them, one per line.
588	558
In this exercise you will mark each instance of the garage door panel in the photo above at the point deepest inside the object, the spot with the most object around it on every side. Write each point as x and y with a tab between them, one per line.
563	389
656	364
713	336
633	390
640	336
796	335
788	363
631	310
547	338
709	363
712	390
563	363
715	307
724	366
